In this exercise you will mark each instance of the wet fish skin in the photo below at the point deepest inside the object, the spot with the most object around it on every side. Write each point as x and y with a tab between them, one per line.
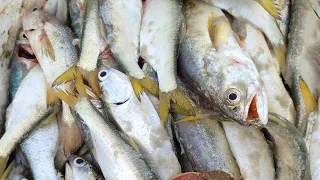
19	172
254	43
139	120
302	66
112	150
212	73
206	147
78	169
251	151
77	15
40	148
289	149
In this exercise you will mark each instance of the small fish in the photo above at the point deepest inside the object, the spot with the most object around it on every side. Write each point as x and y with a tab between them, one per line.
51	42
206	147
254	43
215	66
303	63
28	108
40	148
77	16
253	12
78	169
251	151
117	157
117	16
289	149
139	120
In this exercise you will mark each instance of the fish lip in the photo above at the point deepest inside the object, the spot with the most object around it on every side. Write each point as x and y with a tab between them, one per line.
246	109
121	103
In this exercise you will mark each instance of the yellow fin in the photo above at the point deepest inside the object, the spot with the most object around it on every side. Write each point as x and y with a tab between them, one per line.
47	46
164	104
6	173
51	96
270	6
137	88
92	78
309	101
148	84
219	29
3	164
192	118
67	76
280	53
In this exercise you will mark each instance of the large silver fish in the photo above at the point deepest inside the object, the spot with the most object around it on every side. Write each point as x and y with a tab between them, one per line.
289	149
139	120
40	148
205	146
254	43
217	68
117	16
303	62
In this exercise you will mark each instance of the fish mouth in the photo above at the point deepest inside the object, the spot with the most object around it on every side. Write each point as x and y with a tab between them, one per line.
256	111
25	51
120	103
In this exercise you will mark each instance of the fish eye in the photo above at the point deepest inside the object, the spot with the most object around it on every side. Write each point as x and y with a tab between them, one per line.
34	9
79	162
103	75
233	96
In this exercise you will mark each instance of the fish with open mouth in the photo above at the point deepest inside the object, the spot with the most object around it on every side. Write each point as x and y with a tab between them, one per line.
51	42
140	121
23	60
214	65
254	43
303	63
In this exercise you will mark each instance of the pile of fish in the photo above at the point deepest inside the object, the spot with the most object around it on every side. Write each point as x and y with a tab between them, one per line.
159	89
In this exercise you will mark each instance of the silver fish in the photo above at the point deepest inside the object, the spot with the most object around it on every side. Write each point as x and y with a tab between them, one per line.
289	149
224	75
139	120
204	144
303	64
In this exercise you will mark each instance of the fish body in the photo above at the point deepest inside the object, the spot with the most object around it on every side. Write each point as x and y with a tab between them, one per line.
25	111
284	8
51	7
254	43
117	16
77	15
253	12
117	158
139	120
40	148
303	64
160	30
225	77
62	11
314	149
289	149
251	151
205	145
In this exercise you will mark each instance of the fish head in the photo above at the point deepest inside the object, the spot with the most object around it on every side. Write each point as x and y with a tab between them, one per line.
33	21
242	95
24	53
115	86
76	168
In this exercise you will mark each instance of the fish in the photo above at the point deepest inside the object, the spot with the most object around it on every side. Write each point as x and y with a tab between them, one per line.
92	44
77	9
116	17
62	11
139	120
216	67
251	151
314	144
40	148
28	108
289	149
254	43
23	60
206	147
163	33
78	169
107	144
19	172
258	15
51	41
216	175
302	63
50	7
